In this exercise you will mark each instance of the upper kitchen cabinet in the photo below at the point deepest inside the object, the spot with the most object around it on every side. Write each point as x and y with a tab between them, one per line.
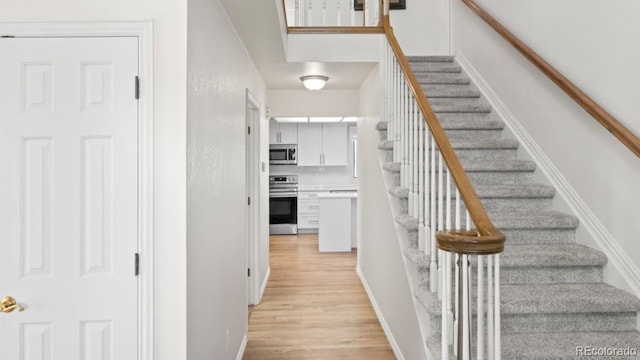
283	133
322	144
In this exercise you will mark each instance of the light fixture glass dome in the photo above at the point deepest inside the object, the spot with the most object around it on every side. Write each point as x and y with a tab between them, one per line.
314	82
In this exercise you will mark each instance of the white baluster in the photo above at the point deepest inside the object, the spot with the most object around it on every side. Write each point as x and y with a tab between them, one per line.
309	20
324	12
456	321
353	13
296	16
433	268
465	307
338	13
422	137
448	203
445	314
458	219
416	133
490	307
410	157
497	337
480	311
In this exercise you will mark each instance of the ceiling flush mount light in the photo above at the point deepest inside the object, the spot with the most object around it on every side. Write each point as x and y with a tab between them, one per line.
314	82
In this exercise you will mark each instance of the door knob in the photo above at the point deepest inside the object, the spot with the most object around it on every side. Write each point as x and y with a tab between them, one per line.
8	304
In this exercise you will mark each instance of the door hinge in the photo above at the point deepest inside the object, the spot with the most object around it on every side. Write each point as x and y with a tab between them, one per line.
248	271
137	91
137	264
249	201
249	130
7	36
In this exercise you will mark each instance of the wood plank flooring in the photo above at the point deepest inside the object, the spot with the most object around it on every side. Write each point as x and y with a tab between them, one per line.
314	307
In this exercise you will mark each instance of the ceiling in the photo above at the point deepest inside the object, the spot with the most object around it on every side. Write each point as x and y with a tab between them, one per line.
259	25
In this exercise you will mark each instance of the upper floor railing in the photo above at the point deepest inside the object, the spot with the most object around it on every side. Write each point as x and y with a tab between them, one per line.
333	13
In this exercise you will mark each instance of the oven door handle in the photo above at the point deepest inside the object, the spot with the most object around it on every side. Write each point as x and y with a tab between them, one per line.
283	195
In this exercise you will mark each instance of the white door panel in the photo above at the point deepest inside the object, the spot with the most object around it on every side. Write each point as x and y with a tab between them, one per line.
68	190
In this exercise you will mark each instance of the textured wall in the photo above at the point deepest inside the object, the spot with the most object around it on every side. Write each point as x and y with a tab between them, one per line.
219	72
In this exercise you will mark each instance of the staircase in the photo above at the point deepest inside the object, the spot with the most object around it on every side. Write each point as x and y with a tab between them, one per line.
553	298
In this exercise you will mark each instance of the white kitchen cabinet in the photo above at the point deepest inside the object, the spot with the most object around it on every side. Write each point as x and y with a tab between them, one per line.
334	144
308	208
322	144
336	221
283	133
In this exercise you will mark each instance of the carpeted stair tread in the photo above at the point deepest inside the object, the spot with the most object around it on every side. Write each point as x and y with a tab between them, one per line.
436	67
480	166
484	144
551	256
433	58
392	166
448	105
533	220
442	78
408	222
399	192
470	121
549	299
497	191
450	91
382	125
386	145
551	346
563	255
498	166
515	191
566	298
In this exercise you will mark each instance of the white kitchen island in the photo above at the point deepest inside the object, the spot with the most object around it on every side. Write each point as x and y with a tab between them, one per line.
337	221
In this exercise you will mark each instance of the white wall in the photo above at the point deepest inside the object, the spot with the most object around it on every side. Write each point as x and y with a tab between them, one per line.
593	43
379	254
313	103
169	141
219	72
423	28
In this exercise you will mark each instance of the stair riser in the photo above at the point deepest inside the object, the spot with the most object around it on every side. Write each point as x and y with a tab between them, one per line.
482	154
492	177
382	135
556	323
491	134
435	67
441	78
434	91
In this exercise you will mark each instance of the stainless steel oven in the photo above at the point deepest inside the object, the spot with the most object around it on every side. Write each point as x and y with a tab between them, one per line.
283	154
283	204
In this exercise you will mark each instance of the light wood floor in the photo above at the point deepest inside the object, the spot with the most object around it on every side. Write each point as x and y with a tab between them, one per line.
314	307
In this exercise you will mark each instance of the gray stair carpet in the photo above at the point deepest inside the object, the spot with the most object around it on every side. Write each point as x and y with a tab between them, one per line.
554	301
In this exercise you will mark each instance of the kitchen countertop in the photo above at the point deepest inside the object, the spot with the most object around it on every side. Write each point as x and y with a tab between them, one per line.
338	195
353	187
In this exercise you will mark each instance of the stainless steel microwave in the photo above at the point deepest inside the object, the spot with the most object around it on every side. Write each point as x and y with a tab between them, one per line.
283	154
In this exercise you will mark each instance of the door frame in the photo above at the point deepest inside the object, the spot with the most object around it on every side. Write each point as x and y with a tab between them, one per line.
252	230
143	30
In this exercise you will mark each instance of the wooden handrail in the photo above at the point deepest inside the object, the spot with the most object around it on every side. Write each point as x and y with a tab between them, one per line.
487	240
629	139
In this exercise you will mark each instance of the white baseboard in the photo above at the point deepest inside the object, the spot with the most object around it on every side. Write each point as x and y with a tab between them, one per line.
383	322
264	283
243	347
603	238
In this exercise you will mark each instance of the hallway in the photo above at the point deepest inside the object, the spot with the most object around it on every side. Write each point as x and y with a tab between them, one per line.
314	307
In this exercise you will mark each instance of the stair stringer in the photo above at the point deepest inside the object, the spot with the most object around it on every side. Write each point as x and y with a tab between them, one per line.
422	316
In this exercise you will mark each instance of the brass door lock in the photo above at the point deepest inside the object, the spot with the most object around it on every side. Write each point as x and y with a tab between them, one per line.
8	304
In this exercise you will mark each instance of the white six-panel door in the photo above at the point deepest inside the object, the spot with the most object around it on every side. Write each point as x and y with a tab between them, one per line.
68	197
